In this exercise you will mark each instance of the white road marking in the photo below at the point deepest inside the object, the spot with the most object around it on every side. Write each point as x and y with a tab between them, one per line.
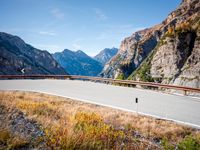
181	109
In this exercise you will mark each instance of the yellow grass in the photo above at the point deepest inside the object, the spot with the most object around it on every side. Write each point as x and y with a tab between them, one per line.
10	141
71	124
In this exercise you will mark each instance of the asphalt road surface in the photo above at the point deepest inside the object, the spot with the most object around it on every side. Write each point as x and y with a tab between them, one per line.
181	109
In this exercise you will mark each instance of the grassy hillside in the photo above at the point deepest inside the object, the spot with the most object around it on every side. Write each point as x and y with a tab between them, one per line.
34	120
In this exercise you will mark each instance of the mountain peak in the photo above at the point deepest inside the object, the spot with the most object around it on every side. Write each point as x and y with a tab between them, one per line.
80	52
105	55
17	57
78	63
66	51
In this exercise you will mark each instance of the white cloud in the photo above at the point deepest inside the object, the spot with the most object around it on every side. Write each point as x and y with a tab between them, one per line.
125	28
99	14
57	13
76	46
76	43
118	31
102	36
49	33
138	29
92	54
49	47
128	30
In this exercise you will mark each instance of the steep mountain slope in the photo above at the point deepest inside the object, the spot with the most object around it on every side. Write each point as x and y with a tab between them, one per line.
78	63
131	53
16	57
166	53
105	55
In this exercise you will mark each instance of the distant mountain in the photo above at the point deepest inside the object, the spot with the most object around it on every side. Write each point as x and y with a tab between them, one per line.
167	53
105	55
17	57
78	63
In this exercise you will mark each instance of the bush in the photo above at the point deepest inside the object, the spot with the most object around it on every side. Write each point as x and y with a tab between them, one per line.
89	131
38	108
97	133
182	27
121	76
166	145
144	73
170	32
10	141
189	143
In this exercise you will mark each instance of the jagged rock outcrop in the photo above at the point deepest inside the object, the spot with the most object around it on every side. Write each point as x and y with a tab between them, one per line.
167	53
105	55
17	57
190	72
131	53
170	58
78	63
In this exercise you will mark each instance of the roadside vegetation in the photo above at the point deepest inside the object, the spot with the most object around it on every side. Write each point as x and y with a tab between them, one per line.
61	123
143	71
9	141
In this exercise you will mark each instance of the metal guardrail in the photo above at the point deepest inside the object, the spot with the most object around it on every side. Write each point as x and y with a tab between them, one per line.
108	80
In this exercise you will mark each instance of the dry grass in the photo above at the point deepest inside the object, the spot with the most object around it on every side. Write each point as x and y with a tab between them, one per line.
10	141
70	124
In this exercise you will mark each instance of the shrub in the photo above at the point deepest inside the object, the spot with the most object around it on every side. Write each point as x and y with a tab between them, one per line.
57	136
9	141
89	131
121	76
166	145
170	32
144	73
38	108
4	136
182	27
189	143
96	132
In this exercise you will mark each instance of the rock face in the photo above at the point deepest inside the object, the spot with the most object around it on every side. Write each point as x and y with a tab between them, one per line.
166	53
131	53
105	55
17	123
190	72
17	57
78	63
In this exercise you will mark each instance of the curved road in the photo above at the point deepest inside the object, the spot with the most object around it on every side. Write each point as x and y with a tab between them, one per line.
181	109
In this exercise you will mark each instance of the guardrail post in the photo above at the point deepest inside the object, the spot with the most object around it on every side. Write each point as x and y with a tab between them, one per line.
185	92
136	101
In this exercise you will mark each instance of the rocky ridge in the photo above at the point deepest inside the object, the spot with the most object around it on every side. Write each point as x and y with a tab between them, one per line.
20	126
105	55
17	57
78	63
166	53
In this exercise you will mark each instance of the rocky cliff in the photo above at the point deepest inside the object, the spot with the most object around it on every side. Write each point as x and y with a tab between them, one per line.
105	55
17	57
166	53
78	63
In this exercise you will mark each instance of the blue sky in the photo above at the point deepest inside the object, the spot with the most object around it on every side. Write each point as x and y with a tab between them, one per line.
88	25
